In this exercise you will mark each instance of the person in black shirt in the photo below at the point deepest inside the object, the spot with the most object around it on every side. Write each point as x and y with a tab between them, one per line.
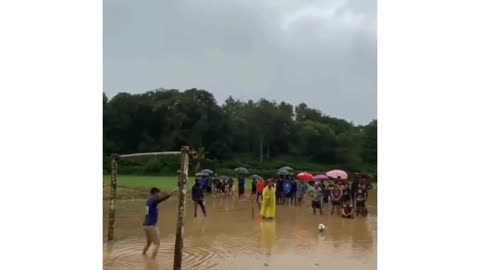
241	186
354	187
360	204
254	189
326	195
197	197
279	191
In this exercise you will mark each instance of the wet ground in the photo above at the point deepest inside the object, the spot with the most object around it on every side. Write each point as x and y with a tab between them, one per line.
232	238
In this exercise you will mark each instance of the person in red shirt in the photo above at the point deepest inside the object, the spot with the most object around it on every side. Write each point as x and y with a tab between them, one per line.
260	187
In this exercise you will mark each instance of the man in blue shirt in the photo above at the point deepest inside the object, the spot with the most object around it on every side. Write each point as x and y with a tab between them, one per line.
151	218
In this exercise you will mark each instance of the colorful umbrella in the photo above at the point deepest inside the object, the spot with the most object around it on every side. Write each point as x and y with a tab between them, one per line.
201	174
285	168
320	177
305	176
207	171
337	174
284	172
241	170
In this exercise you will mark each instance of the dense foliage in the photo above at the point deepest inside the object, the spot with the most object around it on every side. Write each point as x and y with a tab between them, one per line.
261	133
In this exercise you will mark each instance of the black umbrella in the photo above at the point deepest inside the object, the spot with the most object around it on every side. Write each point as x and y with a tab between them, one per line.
207	171
285	168
241	170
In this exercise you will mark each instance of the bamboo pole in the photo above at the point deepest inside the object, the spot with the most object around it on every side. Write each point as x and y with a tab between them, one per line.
182	199
113	196
171	153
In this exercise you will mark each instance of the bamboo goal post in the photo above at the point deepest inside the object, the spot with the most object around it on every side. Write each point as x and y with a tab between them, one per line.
182	184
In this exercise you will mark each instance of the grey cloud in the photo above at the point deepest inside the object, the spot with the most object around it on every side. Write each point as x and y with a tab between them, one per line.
322	53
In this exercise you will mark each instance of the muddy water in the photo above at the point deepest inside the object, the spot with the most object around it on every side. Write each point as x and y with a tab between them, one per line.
230	238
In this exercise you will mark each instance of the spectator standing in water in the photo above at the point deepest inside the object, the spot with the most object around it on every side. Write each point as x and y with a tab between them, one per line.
360	204
317	195
302	188
253	191
151	218
279	190
336	196
294	191
287	189
260	187
354	187
231	187
241	186
268	209
204	183
198	199
326	194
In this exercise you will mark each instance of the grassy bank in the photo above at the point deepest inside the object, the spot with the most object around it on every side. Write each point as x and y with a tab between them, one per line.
135	187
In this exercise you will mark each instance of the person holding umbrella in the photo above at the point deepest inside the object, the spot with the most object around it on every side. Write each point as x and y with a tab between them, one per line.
279	190
253	193
241	186
198	199
204	183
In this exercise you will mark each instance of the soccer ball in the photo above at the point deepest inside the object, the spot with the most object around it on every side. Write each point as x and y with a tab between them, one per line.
321	227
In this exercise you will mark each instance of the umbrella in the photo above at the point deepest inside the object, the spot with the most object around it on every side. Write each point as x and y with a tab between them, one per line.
320	177
337	174
305	176
285	168
207	171
201	174
241	170
255	176
284	172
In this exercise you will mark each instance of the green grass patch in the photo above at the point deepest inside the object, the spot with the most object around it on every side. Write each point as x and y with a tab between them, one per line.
165	183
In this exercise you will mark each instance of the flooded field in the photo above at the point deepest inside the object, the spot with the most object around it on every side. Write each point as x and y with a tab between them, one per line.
232	238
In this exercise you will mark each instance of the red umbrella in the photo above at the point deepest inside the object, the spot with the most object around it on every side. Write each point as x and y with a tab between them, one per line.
305	176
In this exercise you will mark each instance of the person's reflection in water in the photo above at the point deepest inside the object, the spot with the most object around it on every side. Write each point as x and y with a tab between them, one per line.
269	235
151	264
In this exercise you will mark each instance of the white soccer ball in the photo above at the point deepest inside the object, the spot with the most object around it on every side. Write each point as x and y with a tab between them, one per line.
321	227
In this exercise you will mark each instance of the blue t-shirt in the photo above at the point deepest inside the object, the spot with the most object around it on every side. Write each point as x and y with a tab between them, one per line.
204	182
151	213
294	187
287	187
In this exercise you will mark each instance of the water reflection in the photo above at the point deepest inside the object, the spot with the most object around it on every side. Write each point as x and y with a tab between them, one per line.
269	235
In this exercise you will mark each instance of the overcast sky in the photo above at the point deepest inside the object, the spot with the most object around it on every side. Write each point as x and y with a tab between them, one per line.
321	52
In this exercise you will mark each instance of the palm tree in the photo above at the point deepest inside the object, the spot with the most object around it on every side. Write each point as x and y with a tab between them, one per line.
201	155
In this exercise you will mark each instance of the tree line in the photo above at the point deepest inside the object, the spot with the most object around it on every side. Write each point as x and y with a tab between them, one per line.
262	130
